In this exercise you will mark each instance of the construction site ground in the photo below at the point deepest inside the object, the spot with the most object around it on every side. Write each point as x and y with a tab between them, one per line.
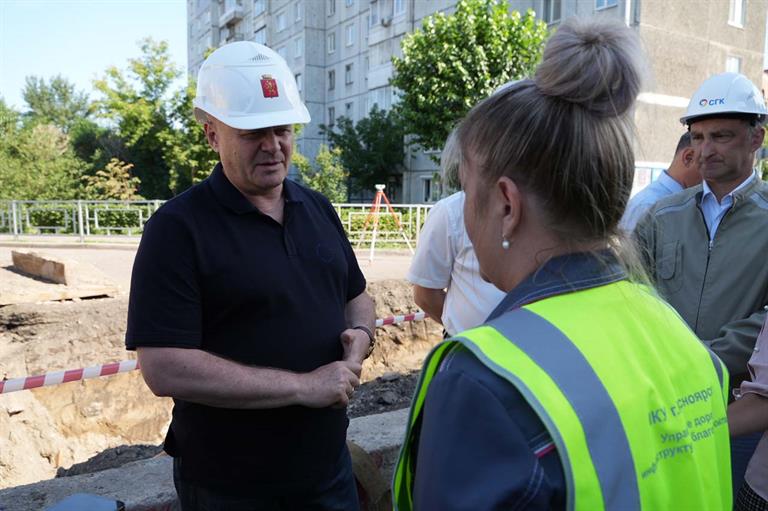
96	424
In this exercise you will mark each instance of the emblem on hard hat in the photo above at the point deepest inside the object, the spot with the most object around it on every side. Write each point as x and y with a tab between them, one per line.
269	86
712	102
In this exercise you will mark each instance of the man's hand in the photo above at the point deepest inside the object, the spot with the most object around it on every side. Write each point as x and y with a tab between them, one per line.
329	385
355	343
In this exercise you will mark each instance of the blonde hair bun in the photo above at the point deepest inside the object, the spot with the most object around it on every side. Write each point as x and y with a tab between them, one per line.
597	64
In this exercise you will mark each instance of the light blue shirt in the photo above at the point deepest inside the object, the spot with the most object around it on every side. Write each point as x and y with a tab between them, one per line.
647	197
714	211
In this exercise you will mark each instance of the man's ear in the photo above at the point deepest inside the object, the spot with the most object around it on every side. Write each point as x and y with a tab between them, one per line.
512	205
688	156
211	135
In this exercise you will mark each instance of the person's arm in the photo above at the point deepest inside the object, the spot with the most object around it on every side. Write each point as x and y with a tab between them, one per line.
359	311
432	264
643	237
200	377
735	342
430	301
748	414
472	453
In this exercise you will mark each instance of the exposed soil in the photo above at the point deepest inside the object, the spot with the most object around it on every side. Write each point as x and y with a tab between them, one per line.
100	423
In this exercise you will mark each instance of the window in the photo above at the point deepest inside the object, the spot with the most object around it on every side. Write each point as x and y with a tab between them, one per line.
331	116
603	4
736	13
426	189
399	7
350	35
733	64
331	7
551	10
331	79
332	42
367	63
282	52
299	82
297	11
298	47
259	6
348	110
348	74
373	18
281	22
349	3
260	36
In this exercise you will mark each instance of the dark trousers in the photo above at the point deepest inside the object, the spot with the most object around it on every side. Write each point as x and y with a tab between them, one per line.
742	449
336	494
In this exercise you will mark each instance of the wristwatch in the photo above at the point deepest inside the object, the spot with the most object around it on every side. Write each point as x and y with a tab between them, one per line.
371	337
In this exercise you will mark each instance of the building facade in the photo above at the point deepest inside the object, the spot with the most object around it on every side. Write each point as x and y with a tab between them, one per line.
341	54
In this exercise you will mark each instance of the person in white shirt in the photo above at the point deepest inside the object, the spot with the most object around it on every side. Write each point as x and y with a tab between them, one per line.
682	173
444	272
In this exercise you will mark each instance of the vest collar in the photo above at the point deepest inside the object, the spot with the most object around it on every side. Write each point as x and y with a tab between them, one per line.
563	274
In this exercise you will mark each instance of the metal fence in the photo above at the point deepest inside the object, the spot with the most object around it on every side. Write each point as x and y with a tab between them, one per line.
95	220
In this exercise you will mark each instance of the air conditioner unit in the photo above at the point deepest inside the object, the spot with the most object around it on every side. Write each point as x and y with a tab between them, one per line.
386	21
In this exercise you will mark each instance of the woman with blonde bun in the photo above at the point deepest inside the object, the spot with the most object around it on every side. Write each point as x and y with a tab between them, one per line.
583	390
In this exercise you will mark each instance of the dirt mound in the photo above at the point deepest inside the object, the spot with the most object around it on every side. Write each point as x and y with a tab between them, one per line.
97	423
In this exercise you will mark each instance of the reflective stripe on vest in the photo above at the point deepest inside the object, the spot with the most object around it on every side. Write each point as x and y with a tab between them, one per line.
555	376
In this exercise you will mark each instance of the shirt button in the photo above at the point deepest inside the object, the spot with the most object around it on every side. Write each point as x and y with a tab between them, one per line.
765	307
757	349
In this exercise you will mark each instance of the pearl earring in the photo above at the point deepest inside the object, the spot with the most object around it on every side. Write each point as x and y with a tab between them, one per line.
505	243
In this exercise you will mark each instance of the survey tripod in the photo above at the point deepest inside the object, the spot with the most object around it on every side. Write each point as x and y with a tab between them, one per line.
373	216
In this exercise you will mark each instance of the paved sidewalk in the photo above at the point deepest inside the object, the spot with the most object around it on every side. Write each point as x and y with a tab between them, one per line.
117	261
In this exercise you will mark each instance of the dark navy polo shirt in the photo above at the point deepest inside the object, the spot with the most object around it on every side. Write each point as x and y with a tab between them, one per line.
214	273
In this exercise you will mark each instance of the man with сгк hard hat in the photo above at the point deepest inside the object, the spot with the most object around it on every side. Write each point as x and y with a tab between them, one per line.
705	247
248	307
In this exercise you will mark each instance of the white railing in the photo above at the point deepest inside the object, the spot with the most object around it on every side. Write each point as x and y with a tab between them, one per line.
97	220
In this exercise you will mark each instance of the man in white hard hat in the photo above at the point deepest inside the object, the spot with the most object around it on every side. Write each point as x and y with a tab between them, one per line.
248	308
705	247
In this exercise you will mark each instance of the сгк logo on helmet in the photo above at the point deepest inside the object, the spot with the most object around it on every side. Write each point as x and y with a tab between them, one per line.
712	102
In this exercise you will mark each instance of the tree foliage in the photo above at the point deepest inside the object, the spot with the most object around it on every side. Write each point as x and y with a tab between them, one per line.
454	61
327	175
113	182
54	102
155	123
371	150
36	161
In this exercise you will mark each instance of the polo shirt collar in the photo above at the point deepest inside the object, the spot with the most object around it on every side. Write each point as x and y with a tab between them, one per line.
231	198
563	274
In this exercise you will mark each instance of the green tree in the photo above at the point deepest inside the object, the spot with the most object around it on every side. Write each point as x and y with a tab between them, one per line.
371	150
155	122
113	182
326	176
187	153
36	162
454	61
55	102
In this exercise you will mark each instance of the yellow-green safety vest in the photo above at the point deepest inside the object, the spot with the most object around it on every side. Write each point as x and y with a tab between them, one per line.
633	401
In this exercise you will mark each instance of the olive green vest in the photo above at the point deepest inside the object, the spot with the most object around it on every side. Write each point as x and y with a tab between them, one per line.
634	403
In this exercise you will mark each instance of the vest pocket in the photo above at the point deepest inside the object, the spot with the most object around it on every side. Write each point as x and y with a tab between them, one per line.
669	278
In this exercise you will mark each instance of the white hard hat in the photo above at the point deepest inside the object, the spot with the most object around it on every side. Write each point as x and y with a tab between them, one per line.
248	86
726	93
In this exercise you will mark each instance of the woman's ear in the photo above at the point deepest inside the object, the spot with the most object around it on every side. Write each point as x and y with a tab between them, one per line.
511	202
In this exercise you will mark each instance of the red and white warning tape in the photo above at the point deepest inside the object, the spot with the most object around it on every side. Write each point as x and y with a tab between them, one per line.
54	378
395	320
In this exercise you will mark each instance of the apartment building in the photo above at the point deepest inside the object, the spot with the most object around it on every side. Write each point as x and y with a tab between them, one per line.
341	50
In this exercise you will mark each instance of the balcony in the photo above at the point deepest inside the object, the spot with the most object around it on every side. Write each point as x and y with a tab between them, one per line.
232	14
